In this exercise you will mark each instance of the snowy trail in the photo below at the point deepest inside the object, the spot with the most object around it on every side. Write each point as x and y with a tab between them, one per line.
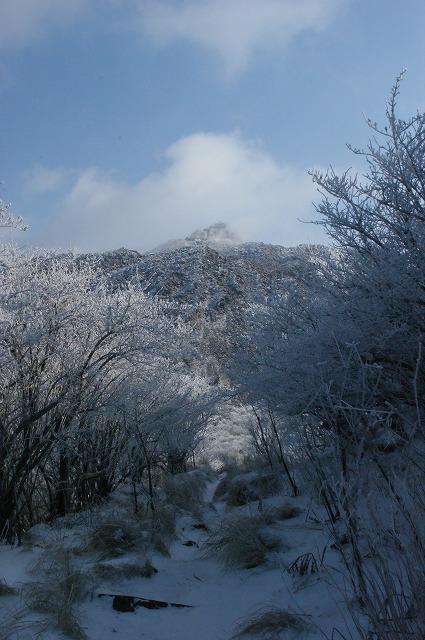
220	598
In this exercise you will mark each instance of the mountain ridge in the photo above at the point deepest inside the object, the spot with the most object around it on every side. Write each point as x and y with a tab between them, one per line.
215	287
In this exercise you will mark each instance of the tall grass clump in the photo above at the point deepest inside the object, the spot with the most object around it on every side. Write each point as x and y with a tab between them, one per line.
159	527
59	586
241	542
115	536
185	490
272	620
123	533
248	487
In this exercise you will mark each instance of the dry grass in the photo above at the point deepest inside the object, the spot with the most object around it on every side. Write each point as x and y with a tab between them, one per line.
221	488
286	511
270	621
6	590
241	542
185	490
245	488
266	483
272	514
15	624
159	527
303	565
240	492
60	585
122	533
114	537
124	571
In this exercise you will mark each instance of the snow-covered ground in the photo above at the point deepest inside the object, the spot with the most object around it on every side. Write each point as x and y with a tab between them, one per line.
220	598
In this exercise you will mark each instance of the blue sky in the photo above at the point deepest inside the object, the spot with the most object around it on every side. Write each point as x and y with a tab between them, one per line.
130	122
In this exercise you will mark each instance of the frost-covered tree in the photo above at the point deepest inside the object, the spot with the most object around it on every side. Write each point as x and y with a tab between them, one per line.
350	366
262	369
378	224
70	345
56	343
353	345
363	369
8	219
166	409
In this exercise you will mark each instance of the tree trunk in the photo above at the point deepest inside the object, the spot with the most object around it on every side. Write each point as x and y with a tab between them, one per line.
8	515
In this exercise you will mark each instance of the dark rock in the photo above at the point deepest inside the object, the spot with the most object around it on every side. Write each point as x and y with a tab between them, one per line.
124	604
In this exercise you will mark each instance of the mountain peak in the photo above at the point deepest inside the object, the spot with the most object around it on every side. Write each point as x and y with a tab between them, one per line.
219	232
218	235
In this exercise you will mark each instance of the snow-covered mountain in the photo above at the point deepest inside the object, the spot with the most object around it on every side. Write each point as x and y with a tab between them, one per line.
213	271
215	281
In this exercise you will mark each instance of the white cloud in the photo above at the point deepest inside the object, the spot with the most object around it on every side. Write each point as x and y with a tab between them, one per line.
208	178
24	22
234	29
40	179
